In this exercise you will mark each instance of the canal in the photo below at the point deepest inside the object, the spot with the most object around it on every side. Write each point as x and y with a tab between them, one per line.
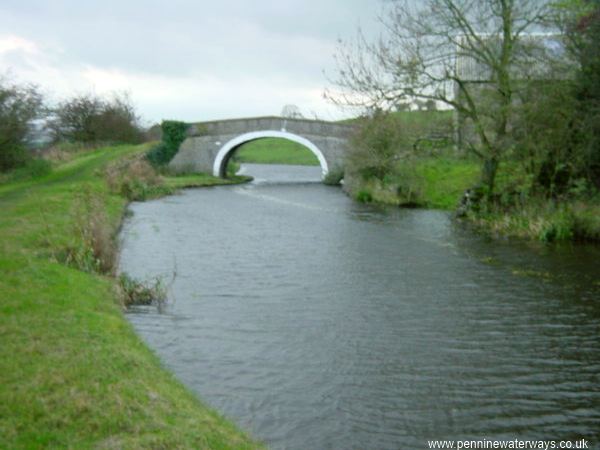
315	322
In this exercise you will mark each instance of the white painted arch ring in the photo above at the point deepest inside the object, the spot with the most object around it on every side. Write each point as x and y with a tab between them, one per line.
230	146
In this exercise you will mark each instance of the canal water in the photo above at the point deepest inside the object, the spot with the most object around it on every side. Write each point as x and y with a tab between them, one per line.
314	322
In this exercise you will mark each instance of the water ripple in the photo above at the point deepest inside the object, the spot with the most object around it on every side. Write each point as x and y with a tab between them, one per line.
315	322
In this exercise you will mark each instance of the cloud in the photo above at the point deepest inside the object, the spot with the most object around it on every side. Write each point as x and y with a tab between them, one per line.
206	97
188	59
13	43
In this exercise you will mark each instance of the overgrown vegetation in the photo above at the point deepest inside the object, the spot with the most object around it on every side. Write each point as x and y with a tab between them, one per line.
232	168
33	134
465	55
91	246
32	168
407	159
136	293
544	220
135	179
74	373
527	108
19	105
334	177
173	134
428	181
92	119
378	144
584	31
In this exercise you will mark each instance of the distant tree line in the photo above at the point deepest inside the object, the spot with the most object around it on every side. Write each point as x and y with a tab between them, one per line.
92	119
86	119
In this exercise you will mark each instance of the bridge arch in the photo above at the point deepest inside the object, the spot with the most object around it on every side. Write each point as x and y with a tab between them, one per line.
229	147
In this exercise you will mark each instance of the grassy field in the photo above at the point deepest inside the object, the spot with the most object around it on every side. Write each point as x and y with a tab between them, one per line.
422	119
446	180
73	372
275	151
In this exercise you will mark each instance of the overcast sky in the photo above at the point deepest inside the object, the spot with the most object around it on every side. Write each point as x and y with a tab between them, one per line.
187	60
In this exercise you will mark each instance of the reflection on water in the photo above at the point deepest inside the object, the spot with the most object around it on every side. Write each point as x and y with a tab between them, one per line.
318	323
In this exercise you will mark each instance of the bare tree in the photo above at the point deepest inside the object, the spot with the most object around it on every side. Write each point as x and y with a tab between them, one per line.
291	112
92	119
466	54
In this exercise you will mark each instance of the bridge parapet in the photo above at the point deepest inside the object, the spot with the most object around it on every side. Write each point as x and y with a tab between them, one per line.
299	126
209	145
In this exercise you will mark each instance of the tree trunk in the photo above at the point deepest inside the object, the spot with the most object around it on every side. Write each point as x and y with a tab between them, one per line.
490	168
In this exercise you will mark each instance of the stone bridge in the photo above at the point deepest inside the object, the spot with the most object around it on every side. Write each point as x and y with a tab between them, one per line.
210	145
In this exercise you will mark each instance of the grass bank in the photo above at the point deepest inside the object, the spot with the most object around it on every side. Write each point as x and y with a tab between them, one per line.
518	211
73	372
202	180
275	151
542	219
440	182
431	182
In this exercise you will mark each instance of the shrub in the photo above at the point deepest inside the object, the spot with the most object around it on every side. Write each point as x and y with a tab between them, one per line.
173	134
376	146
75	119
334	177
157	155
135	179
134	292
117	122
91	119
408	182
559	226
33	168
93	248
232	168
364	196
586	35
12	156
18	106
543	219
587	220
153	133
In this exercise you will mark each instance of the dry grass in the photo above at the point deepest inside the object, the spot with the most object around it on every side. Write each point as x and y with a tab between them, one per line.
134	292
93	248
65	151
135	179
544	220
